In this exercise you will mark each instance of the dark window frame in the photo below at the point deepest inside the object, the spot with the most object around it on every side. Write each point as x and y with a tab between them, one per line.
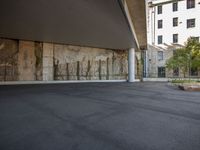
175	38
175	21
160	9
191	23
161	72
175	6
160	24
160	39
190	4
160	55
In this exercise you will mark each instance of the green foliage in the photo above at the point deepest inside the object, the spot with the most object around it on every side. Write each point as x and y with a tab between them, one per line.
193	46
186	57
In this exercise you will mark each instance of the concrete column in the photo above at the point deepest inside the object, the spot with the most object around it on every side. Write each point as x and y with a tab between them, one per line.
131	65
48	70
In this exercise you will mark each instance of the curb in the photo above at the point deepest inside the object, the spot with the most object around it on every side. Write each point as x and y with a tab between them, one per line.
59	82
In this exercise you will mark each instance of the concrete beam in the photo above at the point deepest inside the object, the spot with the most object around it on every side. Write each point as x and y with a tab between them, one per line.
137	10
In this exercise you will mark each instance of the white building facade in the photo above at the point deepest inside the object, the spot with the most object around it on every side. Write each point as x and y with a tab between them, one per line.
170	23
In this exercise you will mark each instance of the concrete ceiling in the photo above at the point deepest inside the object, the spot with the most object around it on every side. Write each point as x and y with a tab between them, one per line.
94	23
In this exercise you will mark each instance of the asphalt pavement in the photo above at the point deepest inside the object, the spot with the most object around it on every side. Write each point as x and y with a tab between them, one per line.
99	116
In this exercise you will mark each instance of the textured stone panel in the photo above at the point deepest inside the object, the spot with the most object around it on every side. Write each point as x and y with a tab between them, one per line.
48	70
26	61
8	60
84	63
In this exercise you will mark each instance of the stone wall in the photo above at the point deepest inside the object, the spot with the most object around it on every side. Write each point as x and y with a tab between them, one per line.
20	60
28	60
154	62
48	69
83	63
39	61
8	60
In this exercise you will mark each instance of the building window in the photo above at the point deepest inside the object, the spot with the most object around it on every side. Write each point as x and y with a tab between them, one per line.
194	72
176	72
175	22
190	4
161	72
190	23
160	39
175	38
175	6
160	55
159	9
160	24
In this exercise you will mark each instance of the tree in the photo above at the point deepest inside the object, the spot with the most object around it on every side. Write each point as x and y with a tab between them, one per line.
193	46
186	58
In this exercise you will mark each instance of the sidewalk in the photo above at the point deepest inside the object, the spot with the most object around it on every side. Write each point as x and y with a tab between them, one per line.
58	82
156	79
